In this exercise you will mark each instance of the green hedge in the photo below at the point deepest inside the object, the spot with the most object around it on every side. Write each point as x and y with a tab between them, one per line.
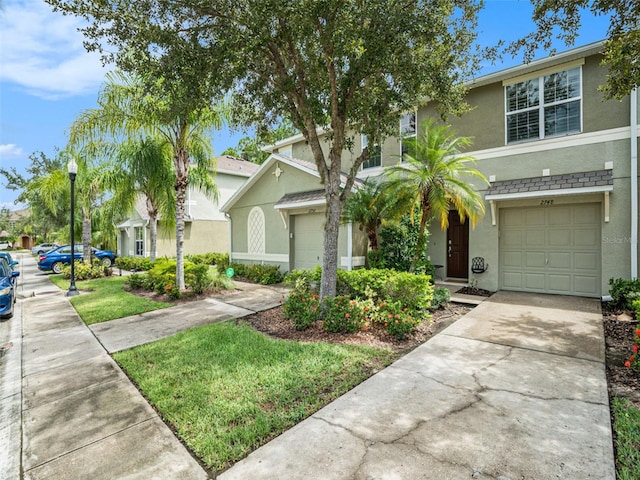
258	273
134	264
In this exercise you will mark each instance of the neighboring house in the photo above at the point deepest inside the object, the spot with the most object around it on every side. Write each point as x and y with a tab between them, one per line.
277	217
206	227
562	214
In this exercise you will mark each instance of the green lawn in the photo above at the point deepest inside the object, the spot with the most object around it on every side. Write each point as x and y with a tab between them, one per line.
104	299
227	389
627	431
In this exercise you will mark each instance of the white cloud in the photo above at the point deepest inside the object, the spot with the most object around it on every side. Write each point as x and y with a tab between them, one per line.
42	51
10	150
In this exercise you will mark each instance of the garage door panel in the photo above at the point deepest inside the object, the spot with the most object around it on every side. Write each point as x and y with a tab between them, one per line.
589	238
534	281
534	238
589	285
308	240
512	239
512	259
559	283
586	261
559	260
559	215
588	214
534	217
512	280
559	238
534	259
559	251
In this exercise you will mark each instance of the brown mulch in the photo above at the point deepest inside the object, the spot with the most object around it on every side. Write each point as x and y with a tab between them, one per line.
273	323
478	292
619	330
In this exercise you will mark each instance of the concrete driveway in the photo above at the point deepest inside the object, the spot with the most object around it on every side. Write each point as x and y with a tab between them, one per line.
516	389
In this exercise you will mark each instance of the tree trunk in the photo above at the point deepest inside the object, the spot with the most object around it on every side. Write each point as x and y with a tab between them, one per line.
331	231
86	234
423	225
153	233
152	211
182	171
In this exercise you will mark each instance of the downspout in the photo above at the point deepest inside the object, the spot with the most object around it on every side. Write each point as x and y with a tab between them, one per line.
349	246
634	183
230	235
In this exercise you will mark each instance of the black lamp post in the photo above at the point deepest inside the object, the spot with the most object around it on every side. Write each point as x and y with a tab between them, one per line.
72	167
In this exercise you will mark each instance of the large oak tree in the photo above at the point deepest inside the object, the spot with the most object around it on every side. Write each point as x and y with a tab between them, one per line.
335	68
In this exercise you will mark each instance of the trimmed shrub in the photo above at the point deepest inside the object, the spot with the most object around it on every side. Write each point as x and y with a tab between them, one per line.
134	264
398	320
85	271
209	258
341	314
441	296
196	277
624	292
301	308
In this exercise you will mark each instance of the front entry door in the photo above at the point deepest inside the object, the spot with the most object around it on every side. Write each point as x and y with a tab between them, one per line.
457	247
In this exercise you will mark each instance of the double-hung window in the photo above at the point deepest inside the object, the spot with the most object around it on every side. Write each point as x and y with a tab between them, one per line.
545	106
408	130
375	154
139	238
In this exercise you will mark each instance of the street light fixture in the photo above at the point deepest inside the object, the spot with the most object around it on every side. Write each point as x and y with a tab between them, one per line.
72	168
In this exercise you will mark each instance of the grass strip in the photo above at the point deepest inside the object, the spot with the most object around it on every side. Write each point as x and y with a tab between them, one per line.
227	389
627	431
104	299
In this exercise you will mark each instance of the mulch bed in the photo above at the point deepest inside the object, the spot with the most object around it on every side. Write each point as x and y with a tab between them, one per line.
478	292
619	329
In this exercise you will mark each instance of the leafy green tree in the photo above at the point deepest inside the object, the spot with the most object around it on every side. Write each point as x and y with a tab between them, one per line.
563	19
333	66
435	175
43	221
250	148
127	106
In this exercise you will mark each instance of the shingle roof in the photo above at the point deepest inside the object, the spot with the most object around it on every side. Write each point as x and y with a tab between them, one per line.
227	163
552	182
301	197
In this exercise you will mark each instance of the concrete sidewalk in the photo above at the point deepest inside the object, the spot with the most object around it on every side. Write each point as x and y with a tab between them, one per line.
516	389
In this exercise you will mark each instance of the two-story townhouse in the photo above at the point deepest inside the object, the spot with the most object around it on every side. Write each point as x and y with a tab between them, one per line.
561	203
206	227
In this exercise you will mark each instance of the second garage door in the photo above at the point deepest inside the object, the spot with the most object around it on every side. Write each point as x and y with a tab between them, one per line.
551	249
308	240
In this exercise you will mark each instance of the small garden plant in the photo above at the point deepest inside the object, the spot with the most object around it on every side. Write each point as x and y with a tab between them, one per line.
395	301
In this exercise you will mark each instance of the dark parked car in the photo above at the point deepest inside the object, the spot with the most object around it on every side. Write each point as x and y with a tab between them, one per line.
7	289
43	248
56	258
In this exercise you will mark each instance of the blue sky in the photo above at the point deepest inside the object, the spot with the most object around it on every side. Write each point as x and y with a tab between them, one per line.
47	78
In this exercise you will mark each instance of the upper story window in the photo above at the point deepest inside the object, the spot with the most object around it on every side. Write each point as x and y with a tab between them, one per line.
407	130
375	154
544	107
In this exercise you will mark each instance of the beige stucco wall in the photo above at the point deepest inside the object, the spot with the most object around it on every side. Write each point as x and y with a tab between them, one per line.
200	236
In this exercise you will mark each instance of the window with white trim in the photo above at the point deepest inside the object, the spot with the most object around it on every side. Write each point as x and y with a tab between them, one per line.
375	154
139	241
408	129
543	107
256	231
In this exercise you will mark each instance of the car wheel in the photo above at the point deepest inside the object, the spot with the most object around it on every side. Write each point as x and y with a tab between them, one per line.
106	261
57	267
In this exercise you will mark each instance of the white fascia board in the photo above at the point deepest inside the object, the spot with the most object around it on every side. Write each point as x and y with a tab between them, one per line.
294	205
550	193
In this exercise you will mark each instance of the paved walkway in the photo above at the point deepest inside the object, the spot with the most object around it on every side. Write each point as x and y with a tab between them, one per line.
516	389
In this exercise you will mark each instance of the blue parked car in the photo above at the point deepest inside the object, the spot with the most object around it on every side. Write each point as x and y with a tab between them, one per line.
58	257
7	289
12	263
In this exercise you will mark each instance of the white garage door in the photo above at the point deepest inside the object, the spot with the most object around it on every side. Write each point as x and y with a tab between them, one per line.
308	239
551	249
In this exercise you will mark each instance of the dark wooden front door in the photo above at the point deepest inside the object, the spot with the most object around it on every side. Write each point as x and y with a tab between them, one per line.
457	247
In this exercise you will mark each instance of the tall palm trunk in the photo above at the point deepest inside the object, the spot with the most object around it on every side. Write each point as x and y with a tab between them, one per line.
424	217
86	234
153	228
181	160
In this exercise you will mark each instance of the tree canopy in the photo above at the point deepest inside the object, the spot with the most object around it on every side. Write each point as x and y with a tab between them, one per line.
338	67
563	20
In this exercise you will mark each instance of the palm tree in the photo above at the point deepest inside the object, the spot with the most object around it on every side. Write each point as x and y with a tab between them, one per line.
127	109
369	206
435	176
